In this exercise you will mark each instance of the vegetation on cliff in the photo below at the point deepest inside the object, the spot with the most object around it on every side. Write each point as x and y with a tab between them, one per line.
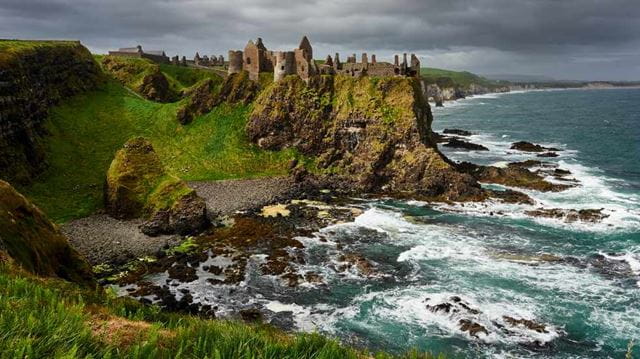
448	78
142	76
36	244
35	75
373	132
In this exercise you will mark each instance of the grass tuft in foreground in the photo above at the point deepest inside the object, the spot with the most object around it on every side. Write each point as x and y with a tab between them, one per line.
54	319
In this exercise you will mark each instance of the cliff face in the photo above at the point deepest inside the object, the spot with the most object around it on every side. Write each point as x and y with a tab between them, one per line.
438	93
372	132
33	77
35	243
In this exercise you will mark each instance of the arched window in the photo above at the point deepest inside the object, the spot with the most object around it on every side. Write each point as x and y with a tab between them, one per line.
248	61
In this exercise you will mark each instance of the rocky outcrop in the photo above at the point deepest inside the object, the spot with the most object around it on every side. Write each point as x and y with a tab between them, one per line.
236	88
142	76
34	76
138	186
465	145
531	147
570	215
35	243
513	176
373	132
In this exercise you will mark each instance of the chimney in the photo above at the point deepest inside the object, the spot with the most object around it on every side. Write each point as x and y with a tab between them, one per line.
373	58
365	59
396	60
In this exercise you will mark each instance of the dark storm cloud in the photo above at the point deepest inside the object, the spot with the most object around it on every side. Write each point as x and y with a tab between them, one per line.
570	38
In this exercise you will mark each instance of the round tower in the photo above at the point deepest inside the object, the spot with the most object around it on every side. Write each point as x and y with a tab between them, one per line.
235	62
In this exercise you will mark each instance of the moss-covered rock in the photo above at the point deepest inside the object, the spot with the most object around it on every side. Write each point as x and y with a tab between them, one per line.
374	132
35	243
202	98
142	76
138	186
34	76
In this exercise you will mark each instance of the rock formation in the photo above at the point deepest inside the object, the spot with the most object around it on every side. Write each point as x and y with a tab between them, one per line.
35	243
32	79
137	186
142	76
373	132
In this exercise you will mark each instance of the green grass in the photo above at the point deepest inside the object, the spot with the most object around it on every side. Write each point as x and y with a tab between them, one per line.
53	319
87	130
448	78
181	77
21	45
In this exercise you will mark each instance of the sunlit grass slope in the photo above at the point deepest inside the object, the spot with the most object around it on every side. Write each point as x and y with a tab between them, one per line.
86	131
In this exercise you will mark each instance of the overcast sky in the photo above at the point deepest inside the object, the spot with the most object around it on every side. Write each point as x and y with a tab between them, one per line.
563	39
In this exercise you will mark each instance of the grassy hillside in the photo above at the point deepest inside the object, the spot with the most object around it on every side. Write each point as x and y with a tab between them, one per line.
448	78
49	318
86	131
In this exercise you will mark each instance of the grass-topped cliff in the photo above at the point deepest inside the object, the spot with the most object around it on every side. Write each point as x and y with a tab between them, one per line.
449	78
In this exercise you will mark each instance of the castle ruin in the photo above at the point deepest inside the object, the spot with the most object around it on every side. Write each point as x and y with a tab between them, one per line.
137	52
256	59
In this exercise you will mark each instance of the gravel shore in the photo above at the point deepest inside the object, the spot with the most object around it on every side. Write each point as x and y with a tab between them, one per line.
226	197
101	238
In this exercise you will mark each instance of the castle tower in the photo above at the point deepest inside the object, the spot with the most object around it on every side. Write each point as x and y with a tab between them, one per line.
285	64
328	61
415	65
235	62
260	45
396	61
184	61
336	62
373	59
306	46
365	59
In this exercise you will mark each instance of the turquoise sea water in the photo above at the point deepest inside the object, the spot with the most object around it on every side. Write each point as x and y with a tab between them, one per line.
582	281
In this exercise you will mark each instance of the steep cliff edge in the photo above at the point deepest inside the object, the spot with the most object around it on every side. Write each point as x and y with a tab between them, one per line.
35	75
374	133
35	243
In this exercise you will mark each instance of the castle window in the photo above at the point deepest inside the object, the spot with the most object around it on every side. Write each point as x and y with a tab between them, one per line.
248	61
282	67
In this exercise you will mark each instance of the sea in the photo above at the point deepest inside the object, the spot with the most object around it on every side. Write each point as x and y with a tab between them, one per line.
486	280
580	281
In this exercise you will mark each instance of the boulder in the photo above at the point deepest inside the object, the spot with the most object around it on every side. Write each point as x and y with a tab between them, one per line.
35	243
458	143
138	186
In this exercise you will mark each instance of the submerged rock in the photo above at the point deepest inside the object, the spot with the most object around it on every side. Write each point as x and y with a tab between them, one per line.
570	215
457	143
35	243
547	154
137	186
531	147
455	131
